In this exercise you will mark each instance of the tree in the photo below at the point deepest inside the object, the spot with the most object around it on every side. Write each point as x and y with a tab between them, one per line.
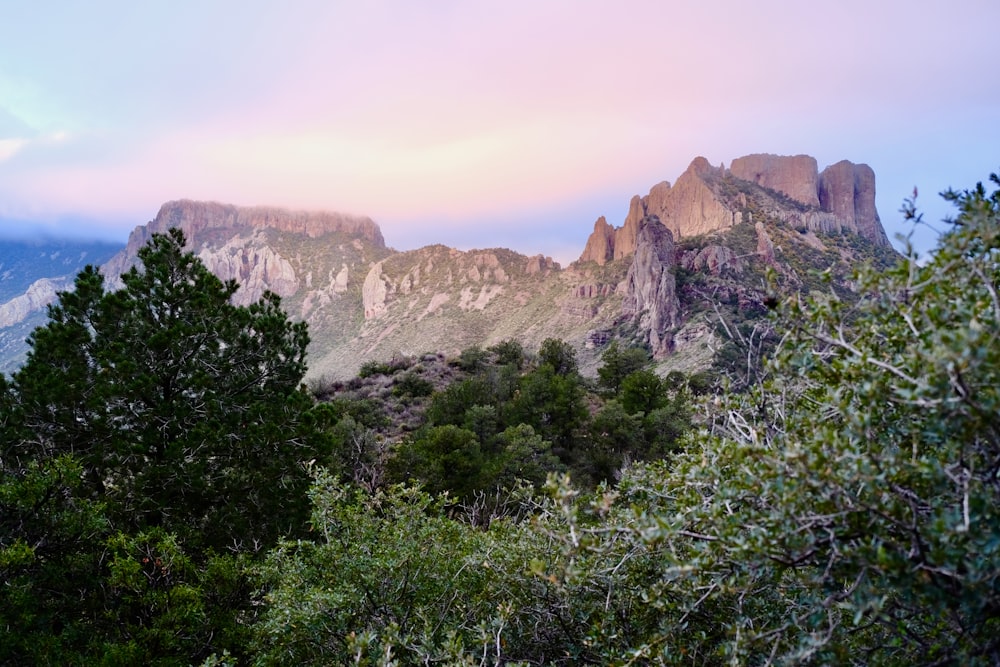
558	354
552	404
185	410
153	442
851	499
619	364
643	391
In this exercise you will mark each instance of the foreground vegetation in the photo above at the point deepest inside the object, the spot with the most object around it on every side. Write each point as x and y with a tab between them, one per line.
171	494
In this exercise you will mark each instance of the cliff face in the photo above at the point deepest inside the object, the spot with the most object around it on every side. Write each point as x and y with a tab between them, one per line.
650	298
687	253
702	201
796	175
201	219
40	294
847	190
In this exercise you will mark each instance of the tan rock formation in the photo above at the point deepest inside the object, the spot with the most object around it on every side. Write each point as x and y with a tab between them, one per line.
625	238
765	247
542	265
714	259
690	207
650	296
194	218
796	176
657	200
374	292
847	190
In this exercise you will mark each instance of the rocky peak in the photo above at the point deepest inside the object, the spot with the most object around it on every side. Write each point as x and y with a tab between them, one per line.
650	297
841	198
198	218
690	207
625	238
847	190
600	246
796	176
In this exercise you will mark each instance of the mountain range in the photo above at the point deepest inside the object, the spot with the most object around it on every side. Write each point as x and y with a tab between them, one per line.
691	261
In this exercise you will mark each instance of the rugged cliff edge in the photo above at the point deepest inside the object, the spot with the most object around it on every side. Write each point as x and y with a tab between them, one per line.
688	256
707	199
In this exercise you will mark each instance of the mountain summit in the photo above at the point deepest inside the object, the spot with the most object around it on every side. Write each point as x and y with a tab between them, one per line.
688	257
708	199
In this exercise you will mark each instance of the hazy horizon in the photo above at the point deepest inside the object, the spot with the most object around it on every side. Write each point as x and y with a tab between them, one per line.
477	124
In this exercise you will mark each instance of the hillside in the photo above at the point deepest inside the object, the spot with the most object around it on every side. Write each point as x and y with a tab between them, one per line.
690	261
31	272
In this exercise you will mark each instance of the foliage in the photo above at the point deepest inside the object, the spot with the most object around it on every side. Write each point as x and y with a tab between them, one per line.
508	353
412	385
850	499
151	429
389	576
184	410
558	354
618	364
391	580
552	404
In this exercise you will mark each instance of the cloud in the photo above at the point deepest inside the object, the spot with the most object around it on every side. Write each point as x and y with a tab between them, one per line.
10	147
457	114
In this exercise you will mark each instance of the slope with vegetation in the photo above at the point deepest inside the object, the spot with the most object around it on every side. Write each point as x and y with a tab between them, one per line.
839	506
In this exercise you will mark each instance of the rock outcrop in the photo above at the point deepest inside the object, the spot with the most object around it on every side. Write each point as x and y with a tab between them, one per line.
765	246
714	259
600	246
198	218
625	238
690	207
847	190
374	292
707	199
650	297
540	265
796	176
39	295
254	265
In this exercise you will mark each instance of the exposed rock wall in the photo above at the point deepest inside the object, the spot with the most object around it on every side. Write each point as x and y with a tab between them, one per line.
796	176
374	292
765	247
690	207
254	265
841	199
714	259
39	295
650	297
625	238
847	190
196	218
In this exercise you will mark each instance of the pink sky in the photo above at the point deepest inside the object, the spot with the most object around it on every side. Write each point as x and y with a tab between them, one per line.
476	123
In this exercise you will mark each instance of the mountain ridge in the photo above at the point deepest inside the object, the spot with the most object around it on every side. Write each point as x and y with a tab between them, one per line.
714	232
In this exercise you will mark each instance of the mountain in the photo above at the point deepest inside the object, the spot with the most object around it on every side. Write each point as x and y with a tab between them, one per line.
688	264
31	273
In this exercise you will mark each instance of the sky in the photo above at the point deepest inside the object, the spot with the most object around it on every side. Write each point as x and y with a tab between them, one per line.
477	123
